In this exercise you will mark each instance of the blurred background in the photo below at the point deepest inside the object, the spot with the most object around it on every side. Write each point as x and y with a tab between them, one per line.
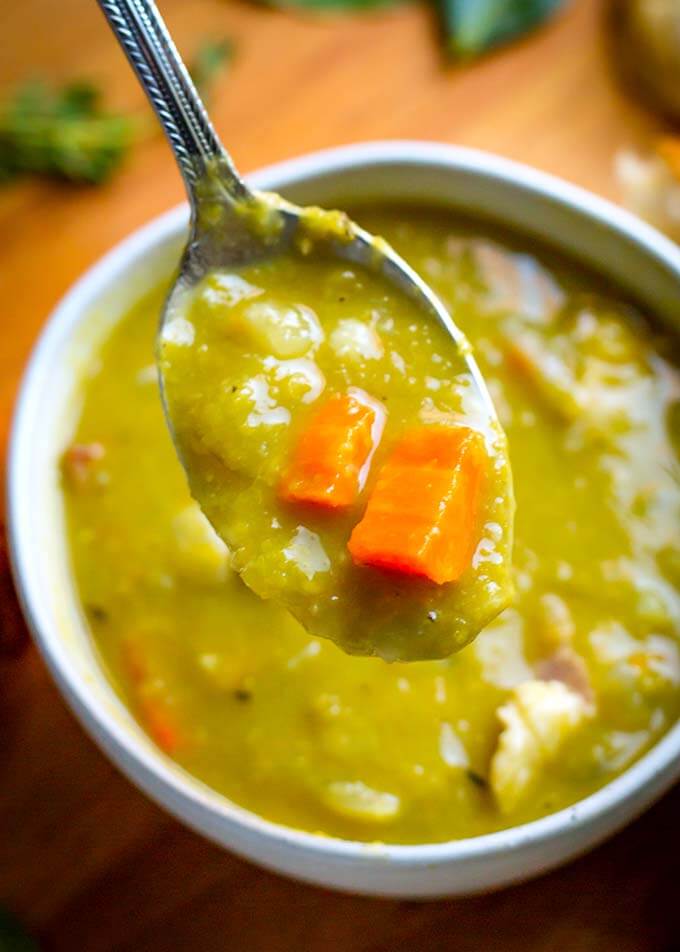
586	89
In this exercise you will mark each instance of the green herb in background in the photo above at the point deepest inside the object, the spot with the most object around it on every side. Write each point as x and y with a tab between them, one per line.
473	26
65	134
61	133
12	936
210	59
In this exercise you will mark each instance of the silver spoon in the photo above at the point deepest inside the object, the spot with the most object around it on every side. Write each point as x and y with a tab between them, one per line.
226	216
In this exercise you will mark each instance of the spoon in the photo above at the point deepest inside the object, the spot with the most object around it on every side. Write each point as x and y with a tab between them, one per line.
232	226
298	559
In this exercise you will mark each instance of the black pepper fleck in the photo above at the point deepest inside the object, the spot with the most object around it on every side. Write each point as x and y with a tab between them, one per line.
477	779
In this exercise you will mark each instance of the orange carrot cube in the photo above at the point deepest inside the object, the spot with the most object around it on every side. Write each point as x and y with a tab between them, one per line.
327	463
422	516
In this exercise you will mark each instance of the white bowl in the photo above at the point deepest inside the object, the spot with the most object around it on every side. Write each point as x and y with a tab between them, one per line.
636	258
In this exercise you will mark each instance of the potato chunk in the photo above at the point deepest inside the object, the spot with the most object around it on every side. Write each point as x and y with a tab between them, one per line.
357	801
219	290
282	331
356	341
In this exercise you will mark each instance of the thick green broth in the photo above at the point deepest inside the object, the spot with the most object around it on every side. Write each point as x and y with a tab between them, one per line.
291	727
246	363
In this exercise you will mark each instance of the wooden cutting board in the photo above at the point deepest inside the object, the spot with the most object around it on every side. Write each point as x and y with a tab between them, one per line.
85	860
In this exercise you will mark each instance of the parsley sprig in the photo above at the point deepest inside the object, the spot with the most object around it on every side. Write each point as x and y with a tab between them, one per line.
63	133
67	133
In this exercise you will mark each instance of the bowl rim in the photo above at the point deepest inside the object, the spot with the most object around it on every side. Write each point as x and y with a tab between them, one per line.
148	767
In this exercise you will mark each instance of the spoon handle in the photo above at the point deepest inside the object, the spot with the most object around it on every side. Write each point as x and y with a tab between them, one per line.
141	32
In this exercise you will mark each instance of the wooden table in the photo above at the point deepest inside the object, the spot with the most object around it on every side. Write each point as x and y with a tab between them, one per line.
85	860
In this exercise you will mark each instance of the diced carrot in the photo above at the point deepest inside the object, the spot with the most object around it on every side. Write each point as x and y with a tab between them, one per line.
134	663
154	711
157	719
422	514
330	454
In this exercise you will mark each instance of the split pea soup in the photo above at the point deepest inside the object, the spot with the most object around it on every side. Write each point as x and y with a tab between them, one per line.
557	696
333	436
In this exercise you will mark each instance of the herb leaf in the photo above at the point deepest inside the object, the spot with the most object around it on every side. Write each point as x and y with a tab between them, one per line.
474	26
61	133
209	60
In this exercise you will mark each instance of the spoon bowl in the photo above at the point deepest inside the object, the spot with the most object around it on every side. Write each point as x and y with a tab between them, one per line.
338	578
232	226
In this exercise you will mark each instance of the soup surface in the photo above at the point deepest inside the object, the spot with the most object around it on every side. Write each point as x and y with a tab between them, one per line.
333	436
557	696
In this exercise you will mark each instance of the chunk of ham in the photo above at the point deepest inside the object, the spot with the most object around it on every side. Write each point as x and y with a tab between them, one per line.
79	462
536	722
568	667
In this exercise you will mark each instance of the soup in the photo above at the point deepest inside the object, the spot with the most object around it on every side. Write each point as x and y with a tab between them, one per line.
557	696
333	435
